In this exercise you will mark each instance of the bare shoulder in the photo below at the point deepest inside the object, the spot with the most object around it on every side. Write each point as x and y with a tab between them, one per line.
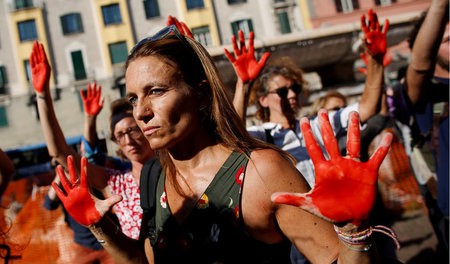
268	171
276	171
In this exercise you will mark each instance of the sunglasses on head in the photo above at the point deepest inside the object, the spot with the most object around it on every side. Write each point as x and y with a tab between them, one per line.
172	29
283	91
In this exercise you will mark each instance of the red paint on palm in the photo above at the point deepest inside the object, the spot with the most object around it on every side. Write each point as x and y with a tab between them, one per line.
78	202
374	39
181	26
40	68
245	64
91	101
345	187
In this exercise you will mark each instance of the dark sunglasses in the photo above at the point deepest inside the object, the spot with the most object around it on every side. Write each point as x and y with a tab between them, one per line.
283	91
172	29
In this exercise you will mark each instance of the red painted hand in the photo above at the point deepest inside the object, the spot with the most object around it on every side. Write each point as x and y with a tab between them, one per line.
92	102
374	39
40	68
79	202
246	66
345	187
386	61
180	26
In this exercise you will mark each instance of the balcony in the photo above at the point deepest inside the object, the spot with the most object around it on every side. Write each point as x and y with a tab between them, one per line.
17	5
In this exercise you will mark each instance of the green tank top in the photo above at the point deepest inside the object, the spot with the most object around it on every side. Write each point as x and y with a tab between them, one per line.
213	232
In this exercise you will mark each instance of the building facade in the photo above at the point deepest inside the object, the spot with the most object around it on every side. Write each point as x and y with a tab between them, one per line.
89	40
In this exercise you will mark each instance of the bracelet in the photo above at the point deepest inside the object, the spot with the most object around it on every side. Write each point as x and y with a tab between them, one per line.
41	97
365	249
362	237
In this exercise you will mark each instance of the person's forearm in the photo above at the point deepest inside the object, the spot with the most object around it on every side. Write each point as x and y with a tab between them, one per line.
425	49
240	99
122	248
90	130
54	137
370	99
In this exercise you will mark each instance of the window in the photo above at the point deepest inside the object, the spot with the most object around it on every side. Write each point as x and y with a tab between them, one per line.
202	35
111	14
192	4
26	64
344	6
3	80
27	30
283	19
151	8
21	4
245	25
230	2
384	2
118	52
78	65
3	117
71	23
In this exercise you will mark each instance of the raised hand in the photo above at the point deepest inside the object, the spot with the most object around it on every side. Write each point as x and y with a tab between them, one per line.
246	66
181	26
40	68
386	61
374	39
345	187
91	101
79	202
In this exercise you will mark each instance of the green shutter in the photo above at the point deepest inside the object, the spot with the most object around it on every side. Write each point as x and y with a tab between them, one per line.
235	28
79	23
118	52
78	65
250	25
3	78
284	22
3	117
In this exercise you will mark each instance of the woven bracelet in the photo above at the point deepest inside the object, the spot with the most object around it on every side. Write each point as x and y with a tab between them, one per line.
362	237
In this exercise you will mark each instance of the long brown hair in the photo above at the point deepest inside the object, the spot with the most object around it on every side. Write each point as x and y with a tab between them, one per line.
219	117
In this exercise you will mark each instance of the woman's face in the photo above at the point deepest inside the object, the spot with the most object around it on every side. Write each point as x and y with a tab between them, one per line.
163	106
131	141
276	104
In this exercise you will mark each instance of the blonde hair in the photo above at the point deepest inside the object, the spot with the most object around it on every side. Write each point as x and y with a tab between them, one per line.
321	102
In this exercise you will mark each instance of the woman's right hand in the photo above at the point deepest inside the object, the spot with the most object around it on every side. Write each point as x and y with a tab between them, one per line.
85	208
40	68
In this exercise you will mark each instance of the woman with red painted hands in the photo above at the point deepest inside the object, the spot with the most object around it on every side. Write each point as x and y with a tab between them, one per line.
118	185
214	194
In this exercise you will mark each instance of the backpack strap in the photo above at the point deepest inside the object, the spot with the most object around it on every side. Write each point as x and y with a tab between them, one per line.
149	177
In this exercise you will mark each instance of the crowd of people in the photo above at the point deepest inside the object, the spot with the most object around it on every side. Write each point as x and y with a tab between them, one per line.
191	183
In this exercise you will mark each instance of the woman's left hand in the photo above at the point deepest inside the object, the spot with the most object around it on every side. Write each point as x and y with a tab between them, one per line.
345	187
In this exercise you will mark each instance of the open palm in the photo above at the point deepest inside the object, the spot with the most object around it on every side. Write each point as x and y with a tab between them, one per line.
85	208
345	187
40	68
245	64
